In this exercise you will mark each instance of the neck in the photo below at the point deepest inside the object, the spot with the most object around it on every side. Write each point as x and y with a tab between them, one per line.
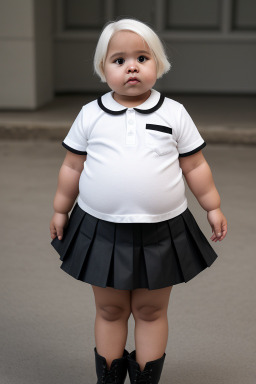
131	101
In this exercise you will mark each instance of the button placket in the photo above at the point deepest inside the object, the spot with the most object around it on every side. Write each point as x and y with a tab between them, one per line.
130	127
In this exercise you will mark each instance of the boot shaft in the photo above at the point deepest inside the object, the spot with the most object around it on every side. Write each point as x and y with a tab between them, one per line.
151	373
117	372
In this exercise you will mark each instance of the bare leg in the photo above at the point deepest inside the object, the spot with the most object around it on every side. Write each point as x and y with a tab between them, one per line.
113	309
149	309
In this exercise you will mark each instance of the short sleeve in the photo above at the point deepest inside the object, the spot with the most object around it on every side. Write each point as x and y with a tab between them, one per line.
76	139
189	140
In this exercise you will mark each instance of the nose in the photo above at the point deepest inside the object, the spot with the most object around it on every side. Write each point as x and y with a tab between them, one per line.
132	67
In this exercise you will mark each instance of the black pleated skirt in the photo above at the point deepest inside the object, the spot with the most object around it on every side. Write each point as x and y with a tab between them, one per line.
133	255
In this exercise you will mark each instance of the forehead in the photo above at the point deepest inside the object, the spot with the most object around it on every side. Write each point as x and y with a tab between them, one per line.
126	41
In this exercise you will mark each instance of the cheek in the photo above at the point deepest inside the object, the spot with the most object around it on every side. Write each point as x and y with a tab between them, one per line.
112	78
154	73
108	75
151	76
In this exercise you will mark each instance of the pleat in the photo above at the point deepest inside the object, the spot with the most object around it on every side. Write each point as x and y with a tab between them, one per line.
152	255
172	273
97	267
157	250
123	256
140	278
189	256
206	251
133	255
77	257
62	246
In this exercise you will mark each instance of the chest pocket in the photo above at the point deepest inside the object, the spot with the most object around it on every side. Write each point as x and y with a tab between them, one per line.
159	138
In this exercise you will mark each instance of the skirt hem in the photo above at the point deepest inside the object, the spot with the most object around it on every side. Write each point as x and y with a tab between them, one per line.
129	256
131	289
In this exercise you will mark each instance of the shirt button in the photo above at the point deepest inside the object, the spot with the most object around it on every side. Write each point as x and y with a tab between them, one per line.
130	122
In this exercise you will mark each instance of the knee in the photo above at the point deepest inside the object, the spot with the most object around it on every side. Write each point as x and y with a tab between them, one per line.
148	312
113	312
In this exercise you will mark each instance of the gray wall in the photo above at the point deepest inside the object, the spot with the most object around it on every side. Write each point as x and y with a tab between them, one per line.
26	42
47	46
211	43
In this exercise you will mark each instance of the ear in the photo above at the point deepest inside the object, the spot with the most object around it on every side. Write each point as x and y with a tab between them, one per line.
102	75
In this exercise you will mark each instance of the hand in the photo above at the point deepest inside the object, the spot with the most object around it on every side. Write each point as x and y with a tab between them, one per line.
218	222
58	222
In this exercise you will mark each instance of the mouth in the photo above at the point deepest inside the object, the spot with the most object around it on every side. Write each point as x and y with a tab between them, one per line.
133	80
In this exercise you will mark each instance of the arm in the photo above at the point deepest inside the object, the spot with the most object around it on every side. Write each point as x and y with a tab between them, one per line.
199	178
67	191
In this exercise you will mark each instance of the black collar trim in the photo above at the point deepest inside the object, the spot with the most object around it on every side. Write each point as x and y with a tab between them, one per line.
143	111
155	108
109	110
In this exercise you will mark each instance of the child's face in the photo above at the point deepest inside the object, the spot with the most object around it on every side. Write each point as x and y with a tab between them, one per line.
130	68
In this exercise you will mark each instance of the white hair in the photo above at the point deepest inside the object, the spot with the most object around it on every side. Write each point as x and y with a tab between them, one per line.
143	30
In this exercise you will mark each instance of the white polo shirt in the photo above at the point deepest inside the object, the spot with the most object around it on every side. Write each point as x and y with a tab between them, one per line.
132	171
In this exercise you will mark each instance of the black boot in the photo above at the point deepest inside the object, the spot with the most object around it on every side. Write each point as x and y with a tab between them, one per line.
117	372
151	373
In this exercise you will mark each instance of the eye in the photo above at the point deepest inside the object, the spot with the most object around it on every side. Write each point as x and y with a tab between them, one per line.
119	61
141	59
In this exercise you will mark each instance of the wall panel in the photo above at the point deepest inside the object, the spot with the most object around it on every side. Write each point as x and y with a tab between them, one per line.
144	12
192	15
211	44
78	14
244	15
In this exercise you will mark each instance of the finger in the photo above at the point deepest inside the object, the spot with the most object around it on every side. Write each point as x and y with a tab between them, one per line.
53	231
216	238
222	236
216	234
217	231
224	231
59	232
213	234
213	237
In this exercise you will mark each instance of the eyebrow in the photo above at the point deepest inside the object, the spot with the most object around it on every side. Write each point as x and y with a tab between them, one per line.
123	53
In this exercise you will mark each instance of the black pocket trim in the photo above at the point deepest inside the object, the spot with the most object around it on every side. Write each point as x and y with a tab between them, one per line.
160	128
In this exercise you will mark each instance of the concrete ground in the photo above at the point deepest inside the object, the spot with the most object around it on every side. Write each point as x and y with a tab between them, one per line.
47	317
